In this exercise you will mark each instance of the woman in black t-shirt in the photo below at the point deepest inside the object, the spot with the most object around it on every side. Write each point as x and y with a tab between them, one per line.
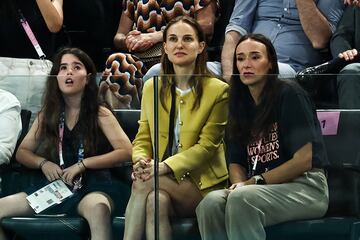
274	149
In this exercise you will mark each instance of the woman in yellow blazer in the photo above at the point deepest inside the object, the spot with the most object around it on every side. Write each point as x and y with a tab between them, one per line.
190	144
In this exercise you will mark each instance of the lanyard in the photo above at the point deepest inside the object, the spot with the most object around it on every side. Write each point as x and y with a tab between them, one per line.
252	171
61	139
77	181
31	36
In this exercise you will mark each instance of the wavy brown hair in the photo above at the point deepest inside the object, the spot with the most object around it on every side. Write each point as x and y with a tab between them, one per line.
200	70
54	105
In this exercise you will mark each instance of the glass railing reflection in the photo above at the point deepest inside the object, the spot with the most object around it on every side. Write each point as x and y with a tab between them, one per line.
340	125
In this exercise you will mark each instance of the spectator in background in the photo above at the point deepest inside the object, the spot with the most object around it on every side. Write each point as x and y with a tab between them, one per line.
141	26
192	119
275	150
44	18
90	25
297	29
91	141
10	125
17	53
139	37
142	23
346	44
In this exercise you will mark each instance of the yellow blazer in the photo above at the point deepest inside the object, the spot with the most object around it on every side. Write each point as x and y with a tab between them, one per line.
200	151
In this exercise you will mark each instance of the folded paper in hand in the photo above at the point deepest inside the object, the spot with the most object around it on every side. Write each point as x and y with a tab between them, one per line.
53	193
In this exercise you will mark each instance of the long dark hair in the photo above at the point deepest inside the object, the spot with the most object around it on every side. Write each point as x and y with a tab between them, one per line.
200	66
54	105
244	124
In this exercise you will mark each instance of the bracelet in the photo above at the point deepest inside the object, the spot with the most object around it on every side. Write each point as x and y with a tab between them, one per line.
42	163
81	164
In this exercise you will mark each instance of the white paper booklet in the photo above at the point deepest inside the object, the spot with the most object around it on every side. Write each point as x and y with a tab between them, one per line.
53	193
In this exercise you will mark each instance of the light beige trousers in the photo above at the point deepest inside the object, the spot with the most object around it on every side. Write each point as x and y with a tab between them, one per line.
243	213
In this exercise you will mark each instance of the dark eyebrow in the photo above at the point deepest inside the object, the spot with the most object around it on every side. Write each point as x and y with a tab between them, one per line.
73	63
253	52
186	35
77	63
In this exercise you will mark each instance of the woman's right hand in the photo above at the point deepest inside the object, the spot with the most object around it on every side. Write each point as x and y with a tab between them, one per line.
139	168
139	42
236	185
51	171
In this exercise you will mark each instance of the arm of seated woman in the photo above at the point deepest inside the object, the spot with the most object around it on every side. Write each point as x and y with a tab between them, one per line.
122	148
26	153
291	169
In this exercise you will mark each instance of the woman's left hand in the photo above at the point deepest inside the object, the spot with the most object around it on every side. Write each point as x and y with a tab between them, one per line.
71	172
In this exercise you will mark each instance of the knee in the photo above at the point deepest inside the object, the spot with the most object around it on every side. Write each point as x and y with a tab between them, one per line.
98	211
242	197
349	74
212	200
353	68
164	204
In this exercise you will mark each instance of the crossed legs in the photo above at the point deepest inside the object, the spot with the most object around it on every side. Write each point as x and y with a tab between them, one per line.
179	199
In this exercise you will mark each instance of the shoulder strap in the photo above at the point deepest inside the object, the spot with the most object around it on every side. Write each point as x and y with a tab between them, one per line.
168	152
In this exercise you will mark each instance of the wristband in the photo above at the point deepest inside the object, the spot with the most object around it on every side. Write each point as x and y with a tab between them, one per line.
42	163
82	162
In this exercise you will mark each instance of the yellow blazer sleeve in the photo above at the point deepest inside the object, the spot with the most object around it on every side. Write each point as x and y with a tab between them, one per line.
142	145
209	139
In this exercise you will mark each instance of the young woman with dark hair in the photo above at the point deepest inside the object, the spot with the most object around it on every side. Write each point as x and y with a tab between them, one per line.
75	139
192	119
274	149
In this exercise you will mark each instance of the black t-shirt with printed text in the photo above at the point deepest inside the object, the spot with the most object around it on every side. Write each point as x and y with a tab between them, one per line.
295	125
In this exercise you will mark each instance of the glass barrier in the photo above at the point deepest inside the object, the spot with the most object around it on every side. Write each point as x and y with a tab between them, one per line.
339	123
325	89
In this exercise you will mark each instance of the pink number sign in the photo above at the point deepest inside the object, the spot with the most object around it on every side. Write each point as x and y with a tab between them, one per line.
329	122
